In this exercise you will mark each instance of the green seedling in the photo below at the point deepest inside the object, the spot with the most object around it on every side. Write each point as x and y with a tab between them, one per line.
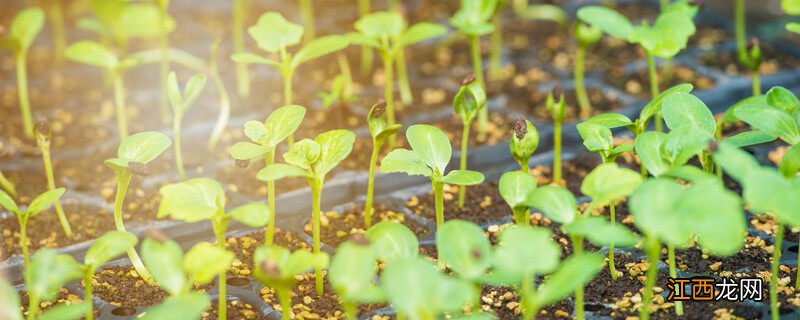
367	56
468	103
42	133
517	188
105	248
389	34
429	156
748	53
48	272
277	268
7	185
224	98
177	273
606	184
307	14
558	112
240	7
775	115
664	39
264	138
98	55
380	130
201	199
313	160
524	141
181	102
587	36
472	20
133	155
39	204
341	87
24	28
274	34
671	213
55	14
116	22
791	7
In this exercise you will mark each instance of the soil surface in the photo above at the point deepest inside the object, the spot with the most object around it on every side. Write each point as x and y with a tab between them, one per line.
237	310
638	82
339	227
63	296
483	204
245	246
122	286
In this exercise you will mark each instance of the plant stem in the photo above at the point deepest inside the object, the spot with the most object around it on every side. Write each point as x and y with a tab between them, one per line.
123	181
51	185
57	28
242	73
367	56
774	270
285	297
287	98
739	27
164	63
316	198
653	253
557	152
87	279
612	268
402	77
8	185
350	310
580	86
388	92
176	129
462	190
119	102
224	103
654	90
33	306
477	68
674	274
756	83
23	239
269	159
219	230
307	13
22	91
438	197
522	215
577	245
496	51
373	159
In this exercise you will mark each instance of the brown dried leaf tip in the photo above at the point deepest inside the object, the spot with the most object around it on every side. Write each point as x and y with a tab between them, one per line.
520	127
557	91
156	234
379	108
712	146
42	128
139	169
242	163
752	43
270	269
476	254
469	79
360	239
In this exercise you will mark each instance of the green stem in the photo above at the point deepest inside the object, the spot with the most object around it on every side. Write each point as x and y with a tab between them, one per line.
307	13
33	306
654	90
612	268
580	86
477	68
438	197
523	166
367	56
219	229
522	215
388	92
224	104
350	310
51	185
557	152
287	98
673	272
797	276
57	27
528	311
163	41
496	51
8	185
774	270
119	101
87	284
269	159
373	159
176	129
23	240
739	27
577	245
756	83
462	190
316	198
123	181
653	254
22	90
242	73
402	77
285	297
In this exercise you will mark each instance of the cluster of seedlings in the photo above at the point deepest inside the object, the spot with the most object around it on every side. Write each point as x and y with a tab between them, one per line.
672	173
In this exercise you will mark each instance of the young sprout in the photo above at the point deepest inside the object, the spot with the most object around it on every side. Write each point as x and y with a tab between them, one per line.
606	184
429	156
39	204
202	199
307	14
105	248
274	34
55	13
98	55
224	98
181	102
242	73
341	88
48	272
524	141
751	58
516	188
558	112
42	133
119	21
472	20
265	137
313	160
587	36
389	34
791	7
23	30
468	102
7	185
278	268
774	116
379	130
664	39
133	155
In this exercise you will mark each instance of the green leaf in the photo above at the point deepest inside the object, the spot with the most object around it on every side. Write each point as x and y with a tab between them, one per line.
648	148
791	7
193	89
684	109
392	241
684	143
611	120
283	122
277	171
205	261
192	200
26	25
7	202
257	132
273	32
174	93
516	188
288	264
248	151
750	138
691	174
319	47
9	295
143	146
574	273
783	99
247	57
431	146
734	161
766	191
525	251
464	248
420	32
608	182
601	232
608	20
557	203
44	201
473	17
186	306
653	206
596	137
405	161
107	247
469	100
463	178
254	215
164	260
366	41
654	106
92	53
65	312
335	146
48	272
770	120
141	20
793	27
668	36
380	25
352	274
376	120
718	224
303	154
790	163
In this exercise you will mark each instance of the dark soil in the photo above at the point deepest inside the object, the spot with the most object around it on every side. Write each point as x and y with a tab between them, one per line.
638	82
727	62
483	204
243	180
603	289
573	172
533	102
237	310
504	303
338	228
63	296
307	305
122	286
245	246
753	258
